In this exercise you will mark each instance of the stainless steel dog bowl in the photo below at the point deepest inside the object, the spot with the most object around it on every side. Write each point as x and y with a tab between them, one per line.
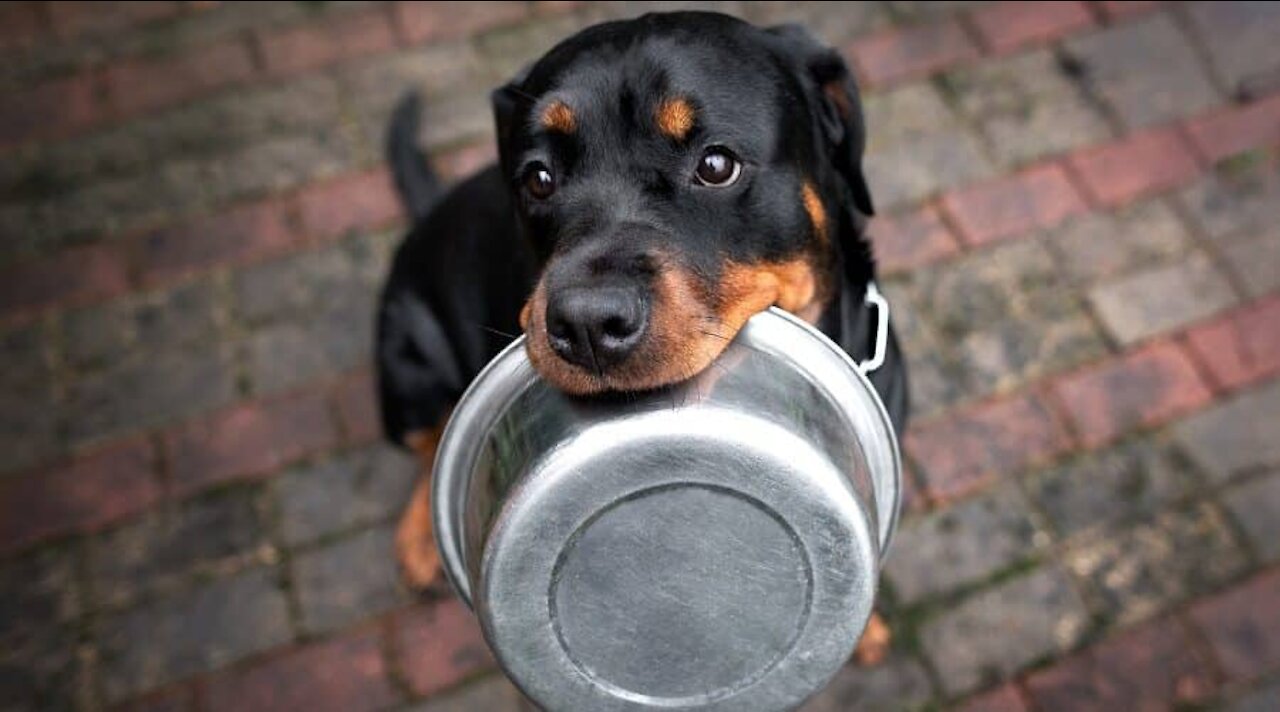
710	546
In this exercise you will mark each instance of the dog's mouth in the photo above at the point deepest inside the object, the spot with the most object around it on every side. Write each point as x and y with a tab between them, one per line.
688	326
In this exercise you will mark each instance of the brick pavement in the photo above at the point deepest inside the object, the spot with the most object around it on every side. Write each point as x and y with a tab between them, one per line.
1080	237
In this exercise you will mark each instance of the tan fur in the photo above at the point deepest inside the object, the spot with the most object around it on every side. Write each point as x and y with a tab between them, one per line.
675	118
816	210
559	117
415	539
875	643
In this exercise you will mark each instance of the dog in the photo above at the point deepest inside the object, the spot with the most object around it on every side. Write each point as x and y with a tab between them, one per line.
659	181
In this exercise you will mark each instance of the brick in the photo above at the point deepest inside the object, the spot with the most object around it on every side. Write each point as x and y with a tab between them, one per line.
1117	9
162	321
1035	615
1237	129
249	441
1005	698
312	46
22	25
1098	491
1257	263
460	163
365	487
899	682
291	354
1242	347
357	402
164	546
245	233
1146	70
357	202
1139	389
962	451
96	18
1109	244
1239	199
905	173
52	109
440	645
39	591
1162	299
86	493
1143	570
348	580
910	240
141	85
70	277
940	551
338	281
1239	38
1264	699
426	21
1235	437
898	54
150	388
1256	507
1036	198
191	631
339	675
1153	667
174	699
43	673
1243	626
493	694
1141	164
1008	25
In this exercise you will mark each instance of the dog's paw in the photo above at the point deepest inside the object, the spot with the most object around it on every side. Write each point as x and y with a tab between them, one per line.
876	641
419	561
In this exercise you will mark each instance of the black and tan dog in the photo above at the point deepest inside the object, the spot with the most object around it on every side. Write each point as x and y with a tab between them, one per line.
660	181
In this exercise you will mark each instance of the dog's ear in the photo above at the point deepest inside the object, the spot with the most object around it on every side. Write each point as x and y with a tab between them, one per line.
507	101
841	106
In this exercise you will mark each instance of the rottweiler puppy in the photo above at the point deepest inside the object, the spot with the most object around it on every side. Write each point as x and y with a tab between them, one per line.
660	180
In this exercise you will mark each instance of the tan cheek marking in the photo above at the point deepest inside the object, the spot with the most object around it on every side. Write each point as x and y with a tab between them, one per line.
559	117
747	289
674	118
817	213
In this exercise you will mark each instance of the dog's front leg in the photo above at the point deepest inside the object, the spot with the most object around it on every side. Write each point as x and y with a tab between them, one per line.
415	538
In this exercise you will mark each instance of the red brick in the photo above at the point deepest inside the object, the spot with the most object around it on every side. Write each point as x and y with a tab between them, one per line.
340	675
351	35
358	408
1138	389
249	441
1116	9
1242	347
1243	627
1009	25
1001	699
86	493
1237	129
1151	668
423	21
903	53
997	210
463	162
440	645
963	450
243	234
908	241
1137	165
76	18
53	109
355	202
21	25
180	699
140	85
72	276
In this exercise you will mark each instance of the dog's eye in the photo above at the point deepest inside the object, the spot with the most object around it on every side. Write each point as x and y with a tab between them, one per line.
718	168
539	181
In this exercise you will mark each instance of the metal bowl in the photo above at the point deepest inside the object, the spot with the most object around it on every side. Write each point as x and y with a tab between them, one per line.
714	545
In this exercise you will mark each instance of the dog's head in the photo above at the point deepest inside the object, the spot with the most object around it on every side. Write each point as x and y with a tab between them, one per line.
677	174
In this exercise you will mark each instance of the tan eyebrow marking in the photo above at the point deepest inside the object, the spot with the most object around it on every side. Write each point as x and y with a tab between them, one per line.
559	117
674	118
817	212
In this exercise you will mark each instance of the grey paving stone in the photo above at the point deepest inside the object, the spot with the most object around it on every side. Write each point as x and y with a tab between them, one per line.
967	542
1098	491
38	591
834	23
1240	37
365	487
1161	299
347	580
898	683
1102	244
43	673
997	632
1146	69
492	694
29	418
1143	570
167	544
1240	199
1256	507
1236	436
204	627
1264	699
299	285
167	319
1257	261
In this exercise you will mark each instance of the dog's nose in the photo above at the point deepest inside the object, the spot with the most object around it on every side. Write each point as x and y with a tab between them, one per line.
595	328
